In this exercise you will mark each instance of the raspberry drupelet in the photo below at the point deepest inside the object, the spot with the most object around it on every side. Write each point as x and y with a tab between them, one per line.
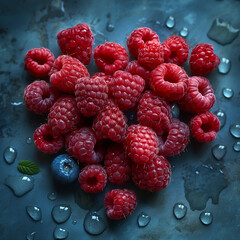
107	78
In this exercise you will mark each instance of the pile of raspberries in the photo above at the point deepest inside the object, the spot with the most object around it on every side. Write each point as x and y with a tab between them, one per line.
86	113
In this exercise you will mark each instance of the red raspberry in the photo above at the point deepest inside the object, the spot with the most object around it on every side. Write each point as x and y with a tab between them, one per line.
151	54
65	72
138	38
81	144
110	123
169	81
120	203
39	61
126	89
141	143
118	165
152	176
110	57
176	140
204	127
45	141
40	96
154	112
176	50
199	96
77	42
91	95
93	178
64	116
203	60
107	78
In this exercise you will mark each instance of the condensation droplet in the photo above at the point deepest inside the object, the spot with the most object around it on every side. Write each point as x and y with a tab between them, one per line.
224	66
206	218
175	111
143	219
61	213
235	130
236	146
34	212
221	117
227	93
10	155
93	223
179	210
60	233
29	140
110	27
197	172
30	236
52	196
170	22
74	222
219	151
184	32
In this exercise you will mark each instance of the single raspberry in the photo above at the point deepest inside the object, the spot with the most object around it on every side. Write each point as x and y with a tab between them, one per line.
152	176
199	96
40	96
176	50
39	61
65	72
169	81
203	60
139	37
110	57
110	123
64	116
93	178
119	203
107	78
45	141
175	140
77	42
118	165
151	54
126	89
81	144
141	143
154	112
91	95
204	127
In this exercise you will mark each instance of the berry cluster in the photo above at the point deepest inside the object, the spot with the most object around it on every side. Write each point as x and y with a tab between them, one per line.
86	114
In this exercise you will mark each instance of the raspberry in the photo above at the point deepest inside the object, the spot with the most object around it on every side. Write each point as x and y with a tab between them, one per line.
151	54
176	50
176	140
38	62
154	112
64	116
65	72
93	178
152	176
204	127
110	123
91	95
81	144
107	78
138	38
141	143
203	60
77	42
169	81
120	203
118	165
45	141
110	57
126	89
199	96
40	96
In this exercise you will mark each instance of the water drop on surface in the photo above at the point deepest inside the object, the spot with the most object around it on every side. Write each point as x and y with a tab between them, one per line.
20	185
236	146
143	219
170	22
34	212
184	32
206	218
221	117
60	233
197	172
52	196
179	210
175	111
74	222
29	140
61	213
10	155
227	93
110	27
16	103
235	130
224	66
31	236
93	223
219	151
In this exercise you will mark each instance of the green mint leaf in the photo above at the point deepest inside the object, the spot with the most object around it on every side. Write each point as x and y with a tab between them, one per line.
28	167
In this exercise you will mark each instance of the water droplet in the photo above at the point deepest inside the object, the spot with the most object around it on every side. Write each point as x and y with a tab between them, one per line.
52	196
143	219
224	66
74	222
197	172
175	111
34	212
219	151
60	233
221	117
227	92
110	27
16	103
61	213
170	22
184	32
20	185
179	210
94	224
10	155
206	218
31	236
235	130
236	146
29	140
222	32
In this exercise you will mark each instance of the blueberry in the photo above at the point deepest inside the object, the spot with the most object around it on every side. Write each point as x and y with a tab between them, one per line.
65	169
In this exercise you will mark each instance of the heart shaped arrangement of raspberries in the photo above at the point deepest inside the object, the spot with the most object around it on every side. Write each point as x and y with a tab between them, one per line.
86	113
